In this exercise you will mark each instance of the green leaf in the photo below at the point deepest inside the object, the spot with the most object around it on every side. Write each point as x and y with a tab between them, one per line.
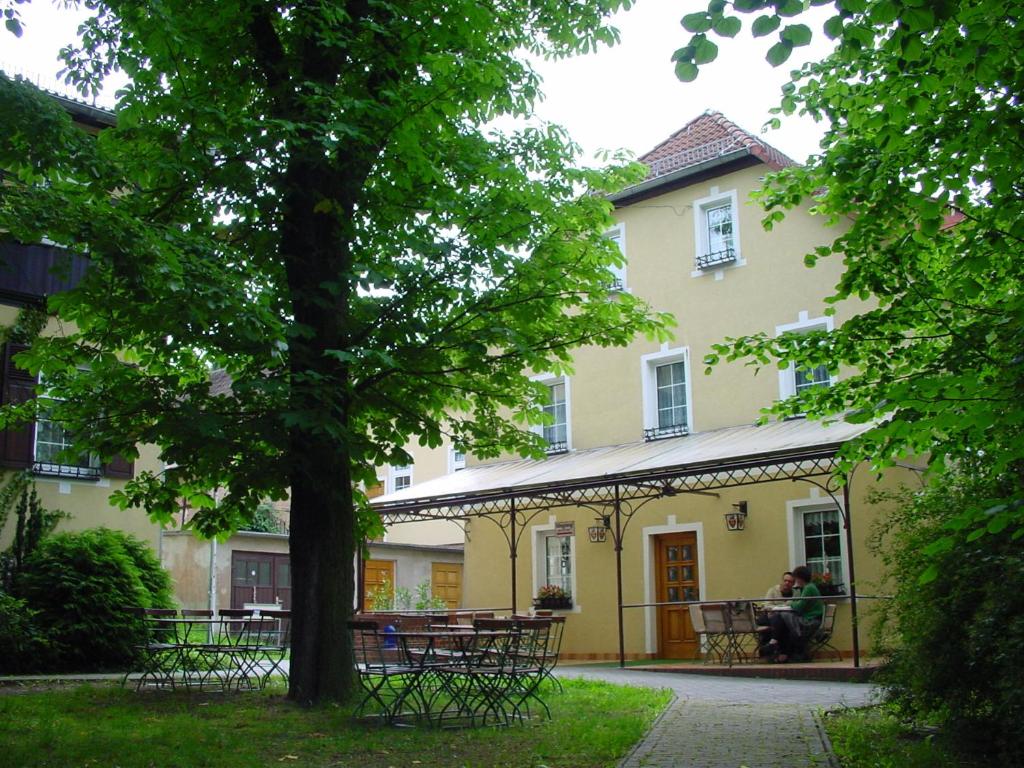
746	6
789	7
706	51
930	574
797	34
834	28
683	54
687	71
13	26
728	26
779	53
765	25
883	13
696	22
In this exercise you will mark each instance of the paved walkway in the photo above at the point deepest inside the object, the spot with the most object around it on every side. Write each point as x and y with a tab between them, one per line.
719	722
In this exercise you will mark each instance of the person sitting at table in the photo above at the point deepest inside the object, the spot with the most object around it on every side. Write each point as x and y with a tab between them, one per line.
790	628
783	589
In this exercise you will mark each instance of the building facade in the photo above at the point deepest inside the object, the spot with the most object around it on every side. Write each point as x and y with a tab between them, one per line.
648	416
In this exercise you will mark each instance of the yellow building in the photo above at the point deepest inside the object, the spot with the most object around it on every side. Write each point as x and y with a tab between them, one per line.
80	488
657	481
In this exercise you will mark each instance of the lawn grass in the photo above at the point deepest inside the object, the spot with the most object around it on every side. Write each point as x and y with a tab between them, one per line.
593	724
875	737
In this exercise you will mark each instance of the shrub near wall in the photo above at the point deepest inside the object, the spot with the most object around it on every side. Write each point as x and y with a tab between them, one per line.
83	585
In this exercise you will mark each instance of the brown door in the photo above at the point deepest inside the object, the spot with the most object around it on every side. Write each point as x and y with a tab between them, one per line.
261	577
446	583
378	576
677	579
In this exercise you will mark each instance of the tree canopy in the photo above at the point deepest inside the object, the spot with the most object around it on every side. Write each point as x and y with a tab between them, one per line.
308	197
923	160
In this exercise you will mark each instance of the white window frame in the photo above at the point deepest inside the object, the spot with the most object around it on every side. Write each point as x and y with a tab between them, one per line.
795	511
804	324
455	463
649	365
702	243
539	535
548	380
399	474
92	471
618	234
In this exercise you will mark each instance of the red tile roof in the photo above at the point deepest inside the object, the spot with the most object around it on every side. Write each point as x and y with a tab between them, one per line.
704	138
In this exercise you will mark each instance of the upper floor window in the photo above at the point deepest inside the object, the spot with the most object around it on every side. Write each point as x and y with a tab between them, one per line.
618	235
716	225
794	380
51	454
456	459
401	477
666	393
555	431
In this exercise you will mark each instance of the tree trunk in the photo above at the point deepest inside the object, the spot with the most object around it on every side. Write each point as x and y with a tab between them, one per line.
322	543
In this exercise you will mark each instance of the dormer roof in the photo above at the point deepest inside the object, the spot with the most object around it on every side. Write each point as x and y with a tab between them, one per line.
710	144
707	136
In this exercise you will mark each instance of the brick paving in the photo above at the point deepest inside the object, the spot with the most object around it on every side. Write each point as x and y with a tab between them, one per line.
734	723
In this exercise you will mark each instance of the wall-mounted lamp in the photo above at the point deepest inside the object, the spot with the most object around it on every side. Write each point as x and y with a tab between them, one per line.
736	520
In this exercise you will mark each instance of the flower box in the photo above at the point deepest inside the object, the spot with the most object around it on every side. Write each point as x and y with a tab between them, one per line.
556	602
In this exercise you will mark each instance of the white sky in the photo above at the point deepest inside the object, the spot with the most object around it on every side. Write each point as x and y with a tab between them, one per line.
623	97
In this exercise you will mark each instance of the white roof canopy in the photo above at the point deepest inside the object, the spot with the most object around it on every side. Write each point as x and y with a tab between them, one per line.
698	462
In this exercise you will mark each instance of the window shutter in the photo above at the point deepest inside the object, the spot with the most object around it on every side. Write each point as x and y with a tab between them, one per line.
17	443
119	468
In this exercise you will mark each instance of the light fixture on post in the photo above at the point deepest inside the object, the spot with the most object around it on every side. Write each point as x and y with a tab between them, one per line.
736	520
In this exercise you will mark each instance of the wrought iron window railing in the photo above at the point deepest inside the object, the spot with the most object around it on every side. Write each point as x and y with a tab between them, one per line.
656	433
706	260
66	470
558	446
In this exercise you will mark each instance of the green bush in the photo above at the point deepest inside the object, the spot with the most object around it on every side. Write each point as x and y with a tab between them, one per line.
22	645
957	640
83	585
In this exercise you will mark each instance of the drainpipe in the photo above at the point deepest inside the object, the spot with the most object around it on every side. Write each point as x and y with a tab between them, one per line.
212	597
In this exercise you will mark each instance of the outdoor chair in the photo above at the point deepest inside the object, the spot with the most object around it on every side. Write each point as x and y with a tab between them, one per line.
528	664
159	654
821	641
709	621
275	645
743	633
387	679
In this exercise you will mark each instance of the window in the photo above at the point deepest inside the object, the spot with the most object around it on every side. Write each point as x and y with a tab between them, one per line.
401	477
666	393
558	562
793	380
557	434
36	446
717	231
52	440
819	541
554	559
456	459
618	235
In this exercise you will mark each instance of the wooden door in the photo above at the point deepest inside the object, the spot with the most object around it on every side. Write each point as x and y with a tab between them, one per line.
446	583
261	577
378	575
677	579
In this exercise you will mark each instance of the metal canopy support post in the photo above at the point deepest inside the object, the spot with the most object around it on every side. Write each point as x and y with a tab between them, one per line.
618	575
848	524
513	547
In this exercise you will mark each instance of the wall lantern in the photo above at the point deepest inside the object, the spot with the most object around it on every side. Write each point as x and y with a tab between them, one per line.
736	520
598	534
